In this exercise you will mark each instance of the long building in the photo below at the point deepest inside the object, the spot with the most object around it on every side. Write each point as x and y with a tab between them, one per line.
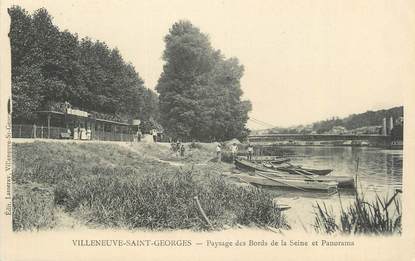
65	122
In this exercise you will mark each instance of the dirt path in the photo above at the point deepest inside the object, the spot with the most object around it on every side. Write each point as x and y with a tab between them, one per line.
66	221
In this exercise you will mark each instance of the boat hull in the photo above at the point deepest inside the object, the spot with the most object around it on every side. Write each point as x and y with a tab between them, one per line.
306	185
294	170
342	181
249	166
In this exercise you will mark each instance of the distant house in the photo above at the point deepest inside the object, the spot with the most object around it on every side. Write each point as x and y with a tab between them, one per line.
368	130
337	130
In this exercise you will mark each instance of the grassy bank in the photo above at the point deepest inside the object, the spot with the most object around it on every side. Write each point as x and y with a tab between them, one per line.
130	186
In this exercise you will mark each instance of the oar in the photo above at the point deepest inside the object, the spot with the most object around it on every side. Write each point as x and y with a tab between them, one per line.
304	175
276	180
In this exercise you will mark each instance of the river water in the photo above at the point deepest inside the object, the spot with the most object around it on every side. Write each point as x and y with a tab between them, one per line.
379	173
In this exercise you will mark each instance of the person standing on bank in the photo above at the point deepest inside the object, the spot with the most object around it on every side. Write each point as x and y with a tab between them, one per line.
154	135
177	148
219	152
250	151
182	149
234	151
76	133
138	135
88	133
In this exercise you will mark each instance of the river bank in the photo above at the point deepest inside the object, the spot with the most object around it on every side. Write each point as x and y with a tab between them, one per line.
131	186
120	185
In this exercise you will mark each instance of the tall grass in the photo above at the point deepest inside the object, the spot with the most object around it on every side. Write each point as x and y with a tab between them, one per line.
165	200
33	210
381	216
114	186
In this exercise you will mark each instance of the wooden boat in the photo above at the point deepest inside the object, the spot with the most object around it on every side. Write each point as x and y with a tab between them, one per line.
306	171
292	169
269	167
300	184
271	159
342	181
280	161
250	166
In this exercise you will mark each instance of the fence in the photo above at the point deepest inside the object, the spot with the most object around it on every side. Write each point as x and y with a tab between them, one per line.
113	136
43	132
34	131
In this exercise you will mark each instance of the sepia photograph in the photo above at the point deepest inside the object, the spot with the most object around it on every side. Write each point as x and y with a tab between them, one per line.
215	127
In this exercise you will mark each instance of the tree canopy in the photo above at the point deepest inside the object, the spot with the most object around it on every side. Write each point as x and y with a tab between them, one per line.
199	90
50	65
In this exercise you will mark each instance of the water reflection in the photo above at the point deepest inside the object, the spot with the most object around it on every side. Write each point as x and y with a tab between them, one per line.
379	172
374	167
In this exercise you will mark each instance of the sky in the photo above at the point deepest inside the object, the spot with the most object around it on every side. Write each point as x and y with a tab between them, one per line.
304	60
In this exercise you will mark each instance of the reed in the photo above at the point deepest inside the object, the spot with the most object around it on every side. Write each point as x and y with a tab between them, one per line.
380	216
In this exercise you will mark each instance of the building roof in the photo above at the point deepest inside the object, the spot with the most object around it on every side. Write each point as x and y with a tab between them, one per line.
73	115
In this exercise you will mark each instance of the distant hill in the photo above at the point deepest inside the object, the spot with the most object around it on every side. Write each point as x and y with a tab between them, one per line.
352	122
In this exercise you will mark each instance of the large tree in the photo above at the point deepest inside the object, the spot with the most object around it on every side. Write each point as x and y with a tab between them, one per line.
200	92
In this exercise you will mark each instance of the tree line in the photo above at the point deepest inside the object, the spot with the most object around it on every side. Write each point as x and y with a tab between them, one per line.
199	89
351	122
354	121
50	65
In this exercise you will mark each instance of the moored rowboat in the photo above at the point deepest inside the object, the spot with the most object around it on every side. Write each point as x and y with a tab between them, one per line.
293	169
268	167
301	184
342	181
249	166
273	161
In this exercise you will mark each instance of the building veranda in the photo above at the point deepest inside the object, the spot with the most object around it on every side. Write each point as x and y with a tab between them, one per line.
62	121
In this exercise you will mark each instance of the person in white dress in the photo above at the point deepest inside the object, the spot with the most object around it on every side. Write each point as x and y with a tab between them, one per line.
219	152
234	151
83	134
76	133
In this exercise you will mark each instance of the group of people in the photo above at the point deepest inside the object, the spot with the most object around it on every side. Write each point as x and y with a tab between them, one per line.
234	151
81	133
178	148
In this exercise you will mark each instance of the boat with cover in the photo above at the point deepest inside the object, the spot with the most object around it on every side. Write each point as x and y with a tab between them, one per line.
269	167
306	171
271	159
250	166
292	169
274	161
296	183
342	181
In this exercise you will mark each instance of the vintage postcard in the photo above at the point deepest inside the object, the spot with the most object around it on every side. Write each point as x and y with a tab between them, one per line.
207	130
